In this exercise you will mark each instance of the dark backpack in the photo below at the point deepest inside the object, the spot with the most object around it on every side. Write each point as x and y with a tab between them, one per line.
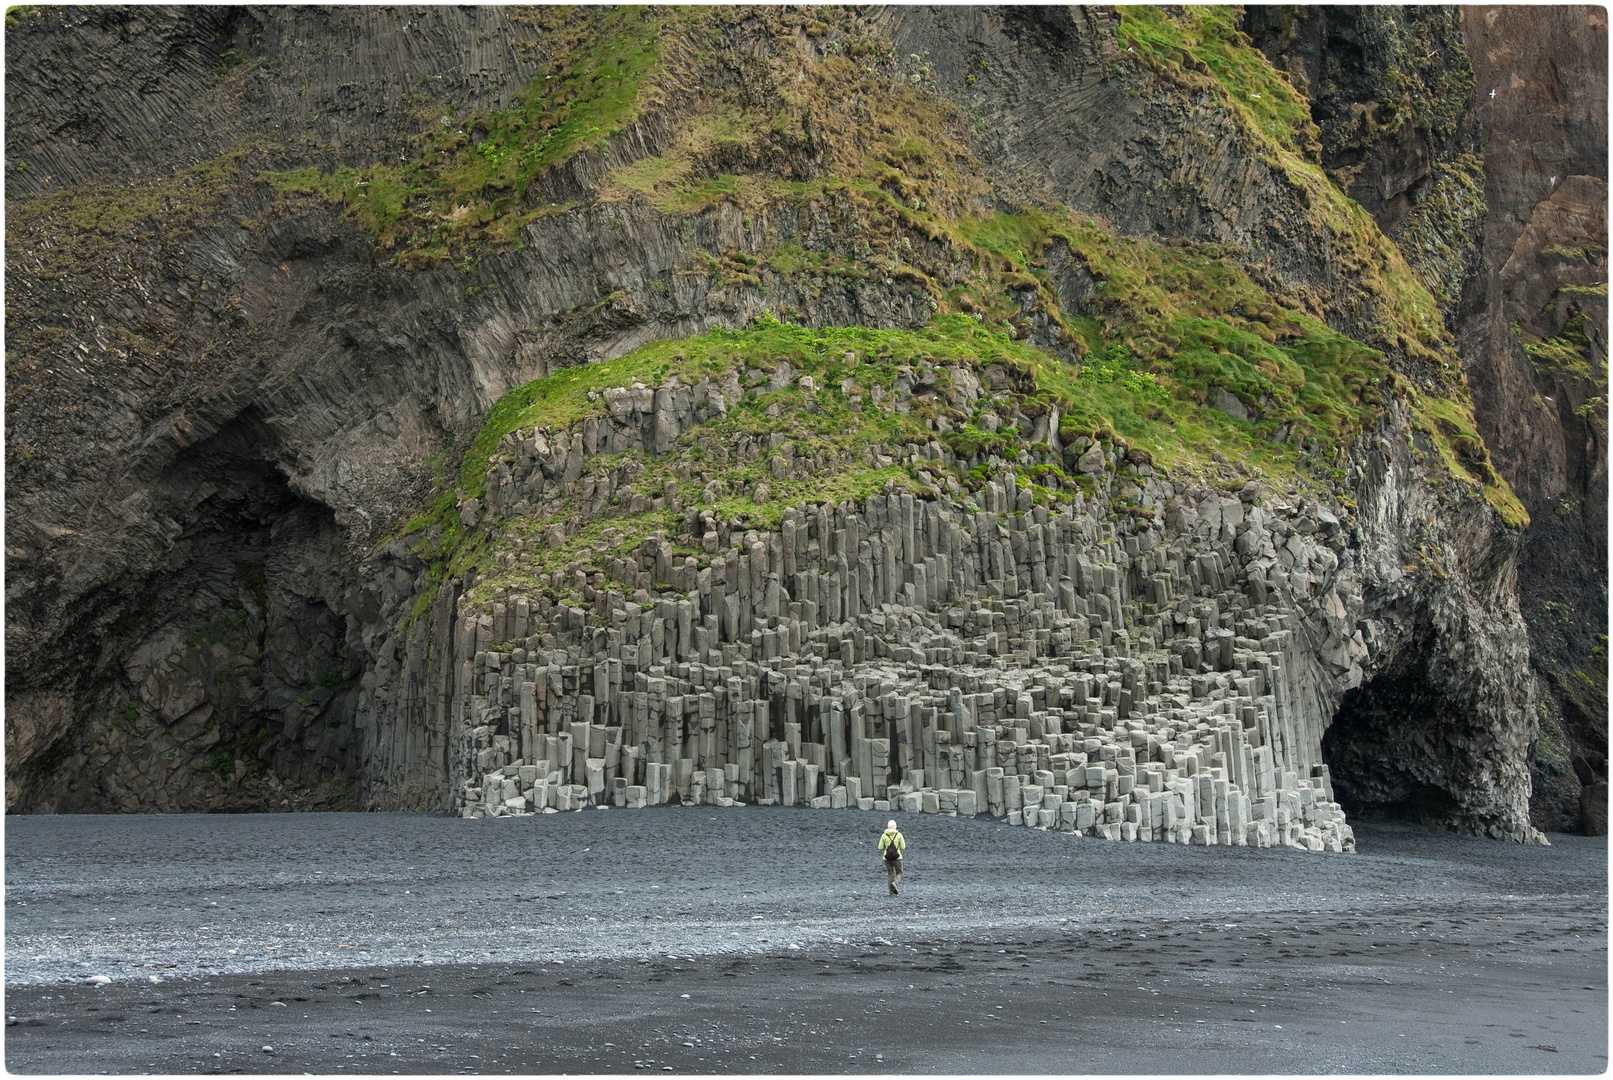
892	852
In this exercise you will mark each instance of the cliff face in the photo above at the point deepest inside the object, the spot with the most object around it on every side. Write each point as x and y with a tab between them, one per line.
1392	93
179	581
1534	340
1409	102
278	466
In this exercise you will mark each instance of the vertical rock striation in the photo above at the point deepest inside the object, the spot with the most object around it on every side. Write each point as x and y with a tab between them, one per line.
924	654
1534	340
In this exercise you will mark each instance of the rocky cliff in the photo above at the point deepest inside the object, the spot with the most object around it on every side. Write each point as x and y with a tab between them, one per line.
793	404
1534	340
1517	253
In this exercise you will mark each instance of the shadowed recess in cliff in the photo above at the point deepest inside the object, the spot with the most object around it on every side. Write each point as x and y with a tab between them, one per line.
228	662
1391	744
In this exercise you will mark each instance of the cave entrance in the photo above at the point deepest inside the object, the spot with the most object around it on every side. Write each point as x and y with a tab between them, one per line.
1381	750
254	677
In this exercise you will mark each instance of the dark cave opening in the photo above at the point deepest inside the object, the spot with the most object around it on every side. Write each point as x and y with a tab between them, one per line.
237	614
264	559
1379	750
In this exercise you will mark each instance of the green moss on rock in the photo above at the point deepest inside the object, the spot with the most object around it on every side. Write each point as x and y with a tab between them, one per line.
467	190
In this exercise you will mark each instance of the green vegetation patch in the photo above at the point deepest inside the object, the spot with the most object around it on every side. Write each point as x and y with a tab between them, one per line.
840	424
1449	426
1173	327
1452	208
680	183
468	189
1200	48
562	399
834	423
222	764
1570	352
836	124
1203	47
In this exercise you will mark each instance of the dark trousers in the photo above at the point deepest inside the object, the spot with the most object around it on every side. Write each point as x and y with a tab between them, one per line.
893	873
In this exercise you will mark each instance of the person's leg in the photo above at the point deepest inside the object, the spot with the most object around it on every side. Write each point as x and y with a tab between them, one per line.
892	873
898	880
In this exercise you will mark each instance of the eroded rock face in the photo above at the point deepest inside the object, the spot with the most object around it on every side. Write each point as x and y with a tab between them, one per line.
1533	338
1391	89
1405	98
202	551
126	95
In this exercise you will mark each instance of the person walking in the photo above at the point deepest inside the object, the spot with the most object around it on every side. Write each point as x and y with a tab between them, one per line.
891	845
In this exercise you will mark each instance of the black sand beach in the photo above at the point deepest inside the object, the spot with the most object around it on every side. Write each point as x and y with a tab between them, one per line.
416	944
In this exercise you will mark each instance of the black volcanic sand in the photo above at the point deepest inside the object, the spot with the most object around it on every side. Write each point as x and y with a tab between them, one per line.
763	941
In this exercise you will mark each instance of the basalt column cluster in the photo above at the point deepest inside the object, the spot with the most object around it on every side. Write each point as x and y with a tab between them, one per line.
1056	668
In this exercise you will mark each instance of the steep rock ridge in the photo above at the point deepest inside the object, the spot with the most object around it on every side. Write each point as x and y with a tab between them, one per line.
1534	341
231	358
1391	90
1404	97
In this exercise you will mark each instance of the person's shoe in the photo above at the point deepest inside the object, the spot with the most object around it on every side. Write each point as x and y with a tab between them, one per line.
894	892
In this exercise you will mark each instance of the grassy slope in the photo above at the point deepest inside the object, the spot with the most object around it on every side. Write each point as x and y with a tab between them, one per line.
1174	323
1203	49
467	189
1106	397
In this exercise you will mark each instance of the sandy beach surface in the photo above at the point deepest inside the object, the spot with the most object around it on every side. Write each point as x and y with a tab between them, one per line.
763	940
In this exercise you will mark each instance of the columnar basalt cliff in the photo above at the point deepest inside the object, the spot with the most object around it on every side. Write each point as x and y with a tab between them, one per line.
1020	411
974	655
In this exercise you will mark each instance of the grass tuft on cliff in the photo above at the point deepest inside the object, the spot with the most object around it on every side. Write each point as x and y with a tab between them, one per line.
1570	353
1201	48
468	187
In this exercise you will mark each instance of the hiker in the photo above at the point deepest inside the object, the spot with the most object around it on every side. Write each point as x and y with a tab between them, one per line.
892	844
